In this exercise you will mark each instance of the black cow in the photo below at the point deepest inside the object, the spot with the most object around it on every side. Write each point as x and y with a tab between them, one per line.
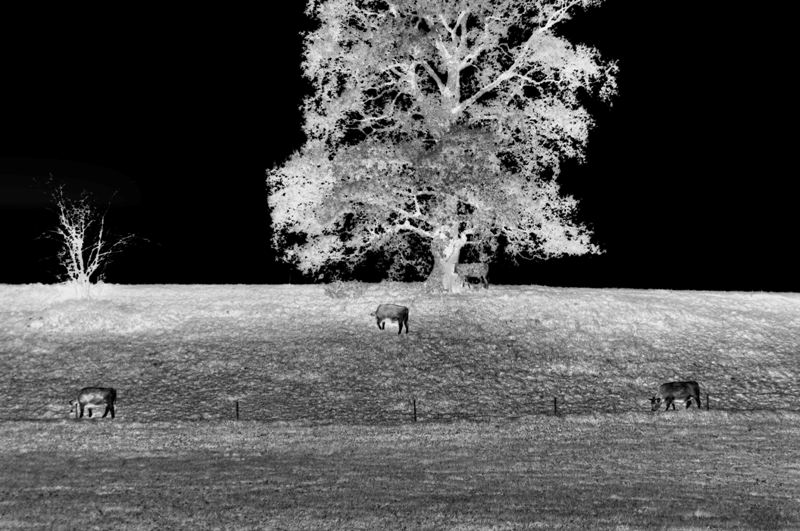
94	397
671	391
478	271
391	312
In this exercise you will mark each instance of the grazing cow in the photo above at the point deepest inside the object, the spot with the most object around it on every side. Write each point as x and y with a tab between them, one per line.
671	391
475	270
391	312
94	397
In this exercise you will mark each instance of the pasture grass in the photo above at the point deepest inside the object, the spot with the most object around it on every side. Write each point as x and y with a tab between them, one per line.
290	353
326	439
689	470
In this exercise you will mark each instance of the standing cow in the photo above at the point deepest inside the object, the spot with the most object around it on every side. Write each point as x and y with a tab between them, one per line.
94	397
478	271
391	312
671	391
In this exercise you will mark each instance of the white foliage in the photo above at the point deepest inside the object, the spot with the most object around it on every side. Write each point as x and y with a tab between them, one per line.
442	120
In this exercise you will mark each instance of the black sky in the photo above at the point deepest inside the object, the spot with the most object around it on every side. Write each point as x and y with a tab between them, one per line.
686	183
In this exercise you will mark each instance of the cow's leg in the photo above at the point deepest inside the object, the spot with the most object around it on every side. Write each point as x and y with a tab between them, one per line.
81	406
406	321
111	408
90	412
669	402
106	411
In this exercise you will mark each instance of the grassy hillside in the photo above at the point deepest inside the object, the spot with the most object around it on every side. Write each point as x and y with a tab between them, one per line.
337	448
291	353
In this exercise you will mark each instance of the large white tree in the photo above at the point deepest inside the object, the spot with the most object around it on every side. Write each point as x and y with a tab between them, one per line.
437	123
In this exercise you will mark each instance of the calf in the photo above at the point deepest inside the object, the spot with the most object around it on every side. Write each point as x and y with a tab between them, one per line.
391	312
94	397
475	270
668	392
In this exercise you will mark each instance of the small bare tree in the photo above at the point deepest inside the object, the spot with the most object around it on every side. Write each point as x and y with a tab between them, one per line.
85	247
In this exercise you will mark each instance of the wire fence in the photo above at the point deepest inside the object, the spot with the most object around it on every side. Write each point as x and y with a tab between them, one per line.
430	409
369	408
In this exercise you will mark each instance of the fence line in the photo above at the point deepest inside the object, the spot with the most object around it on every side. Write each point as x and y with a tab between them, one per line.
414	408
557	405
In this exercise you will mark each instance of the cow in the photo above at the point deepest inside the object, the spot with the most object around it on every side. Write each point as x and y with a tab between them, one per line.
475	270
94	397
671	391
391	312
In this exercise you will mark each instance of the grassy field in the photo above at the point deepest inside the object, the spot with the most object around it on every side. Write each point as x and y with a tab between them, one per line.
700	471
327	440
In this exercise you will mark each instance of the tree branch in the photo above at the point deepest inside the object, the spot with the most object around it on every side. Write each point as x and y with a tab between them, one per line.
431	72
521	55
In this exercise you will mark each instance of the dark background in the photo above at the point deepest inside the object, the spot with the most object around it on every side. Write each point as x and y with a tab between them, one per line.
686	182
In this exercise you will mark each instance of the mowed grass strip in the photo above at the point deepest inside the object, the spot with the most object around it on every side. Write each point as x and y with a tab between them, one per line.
688	470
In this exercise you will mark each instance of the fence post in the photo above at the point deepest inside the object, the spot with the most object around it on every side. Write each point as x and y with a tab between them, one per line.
555	406
237	410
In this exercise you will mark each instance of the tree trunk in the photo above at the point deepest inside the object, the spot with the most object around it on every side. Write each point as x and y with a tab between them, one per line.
445	258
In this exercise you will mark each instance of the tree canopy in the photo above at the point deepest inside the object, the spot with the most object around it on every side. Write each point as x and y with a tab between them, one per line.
445	122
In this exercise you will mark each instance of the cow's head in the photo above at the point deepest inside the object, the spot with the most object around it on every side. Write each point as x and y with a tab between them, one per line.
655	403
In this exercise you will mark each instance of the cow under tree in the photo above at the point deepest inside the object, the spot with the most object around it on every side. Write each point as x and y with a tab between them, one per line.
475	270
671	391
94	397
391	312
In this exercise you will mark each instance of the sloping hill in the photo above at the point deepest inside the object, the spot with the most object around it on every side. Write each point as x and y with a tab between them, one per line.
293	353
